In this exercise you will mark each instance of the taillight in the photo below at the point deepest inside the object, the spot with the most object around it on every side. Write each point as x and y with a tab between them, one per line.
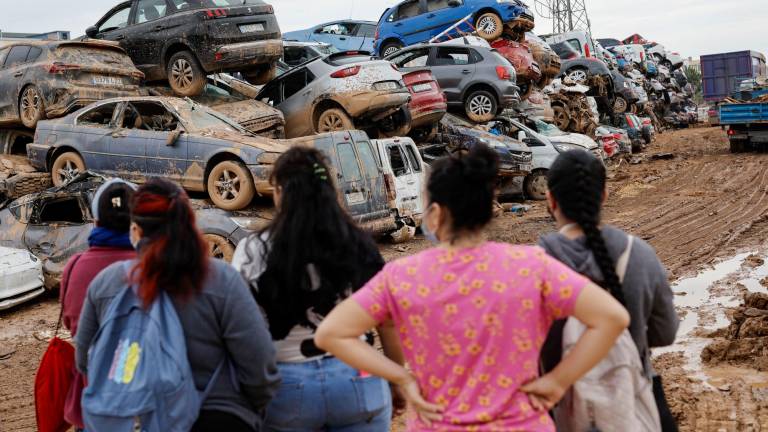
731	132
389	181
376	35
617	136
503	73
346	72
586	50
57	68
215	13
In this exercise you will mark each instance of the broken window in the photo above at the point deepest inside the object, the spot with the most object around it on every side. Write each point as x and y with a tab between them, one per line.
436	5
150	10
412	58
342	29
65	210
397	160
367	30
271	93
408	10
452	56
118	20
413	157
349	167
100	116
18	55
296	82
149	116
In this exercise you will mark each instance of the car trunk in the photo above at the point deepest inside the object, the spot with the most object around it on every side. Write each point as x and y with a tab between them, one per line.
96	66
239	23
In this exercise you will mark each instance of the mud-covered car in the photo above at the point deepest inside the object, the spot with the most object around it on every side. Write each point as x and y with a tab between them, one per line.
521	57
21	277
547	59
182	41
48	79
428	103
55	224
342	91
144	137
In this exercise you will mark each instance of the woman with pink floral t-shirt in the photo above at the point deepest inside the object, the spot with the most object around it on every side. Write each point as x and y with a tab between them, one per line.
472	316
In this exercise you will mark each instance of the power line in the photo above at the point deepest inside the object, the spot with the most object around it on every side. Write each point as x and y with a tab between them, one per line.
566	15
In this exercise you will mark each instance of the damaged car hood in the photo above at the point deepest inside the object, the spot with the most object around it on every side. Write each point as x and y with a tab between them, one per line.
265	144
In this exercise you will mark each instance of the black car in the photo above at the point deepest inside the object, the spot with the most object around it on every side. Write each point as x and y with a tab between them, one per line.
184	40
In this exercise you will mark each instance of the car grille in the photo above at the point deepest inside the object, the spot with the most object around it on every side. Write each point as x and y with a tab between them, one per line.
522	157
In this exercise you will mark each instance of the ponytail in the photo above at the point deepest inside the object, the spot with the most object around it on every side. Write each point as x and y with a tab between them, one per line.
172	251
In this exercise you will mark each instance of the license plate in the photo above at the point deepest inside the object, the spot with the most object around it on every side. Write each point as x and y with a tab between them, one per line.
107	81
250	28
355	198
386	85
526	167
418	88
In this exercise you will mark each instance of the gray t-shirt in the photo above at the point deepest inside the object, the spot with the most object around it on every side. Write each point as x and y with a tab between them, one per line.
223	320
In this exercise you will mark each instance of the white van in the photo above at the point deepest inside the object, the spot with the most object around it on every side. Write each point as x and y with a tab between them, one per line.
581	41
405	173
632	53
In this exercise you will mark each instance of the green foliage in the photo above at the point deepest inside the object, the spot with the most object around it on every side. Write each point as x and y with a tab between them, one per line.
694	77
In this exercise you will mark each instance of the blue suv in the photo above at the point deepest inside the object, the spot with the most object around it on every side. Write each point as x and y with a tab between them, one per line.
416	21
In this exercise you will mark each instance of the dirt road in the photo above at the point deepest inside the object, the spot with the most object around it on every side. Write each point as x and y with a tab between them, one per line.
700	207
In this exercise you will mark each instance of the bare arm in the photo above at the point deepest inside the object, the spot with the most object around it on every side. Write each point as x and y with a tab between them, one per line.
605	319
339	334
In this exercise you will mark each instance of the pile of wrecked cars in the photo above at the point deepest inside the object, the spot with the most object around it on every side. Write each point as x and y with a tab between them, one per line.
207	94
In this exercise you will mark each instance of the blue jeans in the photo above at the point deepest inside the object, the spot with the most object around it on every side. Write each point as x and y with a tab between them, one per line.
328	395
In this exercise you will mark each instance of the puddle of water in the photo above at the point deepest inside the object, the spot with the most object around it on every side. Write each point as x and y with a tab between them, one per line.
752	282
696	289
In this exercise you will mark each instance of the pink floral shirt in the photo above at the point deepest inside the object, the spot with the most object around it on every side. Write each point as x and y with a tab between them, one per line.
472	323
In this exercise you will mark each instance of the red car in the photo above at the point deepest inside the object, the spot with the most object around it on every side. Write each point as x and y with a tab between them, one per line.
528	71
428	104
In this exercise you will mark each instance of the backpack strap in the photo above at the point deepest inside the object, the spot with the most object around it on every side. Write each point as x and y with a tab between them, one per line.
623	262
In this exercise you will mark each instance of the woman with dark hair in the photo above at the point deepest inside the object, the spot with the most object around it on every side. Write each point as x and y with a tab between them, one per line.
311	257
577	191
220	319
472	315
108	243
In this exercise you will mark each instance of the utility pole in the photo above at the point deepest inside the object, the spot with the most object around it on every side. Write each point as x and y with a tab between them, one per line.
566	15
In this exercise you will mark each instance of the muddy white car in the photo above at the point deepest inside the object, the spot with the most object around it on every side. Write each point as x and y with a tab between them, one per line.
342	91
21	277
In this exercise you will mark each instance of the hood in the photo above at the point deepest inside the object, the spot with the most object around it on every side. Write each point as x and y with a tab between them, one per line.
10	257
575	139
576	255
494	140
264	144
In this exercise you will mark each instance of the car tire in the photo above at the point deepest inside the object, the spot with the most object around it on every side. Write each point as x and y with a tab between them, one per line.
481	106
535	185
561	118
262	75
65	167
185	75
620	105
333	120
390	48
31	106
230	185
738	145
489	26
400	124
219	247
424	134
578	75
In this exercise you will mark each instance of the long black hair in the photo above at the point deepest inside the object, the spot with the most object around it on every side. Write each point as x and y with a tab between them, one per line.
466	185
577	182
314	252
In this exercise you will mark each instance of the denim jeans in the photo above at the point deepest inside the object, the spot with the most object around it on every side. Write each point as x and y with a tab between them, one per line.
328	395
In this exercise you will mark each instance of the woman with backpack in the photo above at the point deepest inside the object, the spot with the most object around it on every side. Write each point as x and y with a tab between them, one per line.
577	191
108	243
472	315
311	257
228	348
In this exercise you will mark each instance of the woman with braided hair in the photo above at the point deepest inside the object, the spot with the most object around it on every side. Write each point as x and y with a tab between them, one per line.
577	191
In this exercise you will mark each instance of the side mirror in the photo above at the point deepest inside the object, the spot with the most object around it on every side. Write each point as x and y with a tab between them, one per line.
454	3
522	136
173	137
92	32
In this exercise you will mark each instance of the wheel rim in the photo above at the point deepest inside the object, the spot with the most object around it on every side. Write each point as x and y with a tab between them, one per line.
620	105
30	104
480	105
578	76
228	185
181	73
561	118
68	171
331	123
391	50
215	250
539	186
487	25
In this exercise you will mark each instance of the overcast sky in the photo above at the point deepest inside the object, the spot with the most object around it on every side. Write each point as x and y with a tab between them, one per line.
690	27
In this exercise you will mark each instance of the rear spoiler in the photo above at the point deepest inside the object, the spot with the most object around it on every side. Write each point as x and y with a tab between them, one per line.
92	43
347	53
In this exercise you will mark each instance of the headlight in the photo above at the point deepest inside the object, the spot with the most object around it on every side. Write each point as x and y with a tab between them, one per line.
562	148
250	223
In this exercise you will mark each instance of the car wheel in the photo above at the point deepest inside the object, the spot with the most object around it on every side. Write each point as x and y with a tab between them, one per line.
66	167
535	185
424	134
219	247
620	105
489	26
481	106
230	186
562	120
332	120
391	48
667	64
578	75
398	125
31	106
185	75
262	75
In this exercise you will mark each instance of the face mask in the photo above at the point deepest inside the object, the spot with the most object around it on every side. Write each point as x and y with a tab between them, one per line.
428	233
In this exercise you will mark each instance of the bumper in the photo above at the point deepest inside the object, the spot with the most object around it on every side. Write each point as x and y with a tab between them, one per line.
426	117
245	54
510	100
514	169
373	104
67	99
20	284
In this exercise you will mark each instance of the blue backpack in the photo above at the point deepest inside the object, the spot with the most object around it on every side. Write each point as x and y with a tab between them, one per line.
139	377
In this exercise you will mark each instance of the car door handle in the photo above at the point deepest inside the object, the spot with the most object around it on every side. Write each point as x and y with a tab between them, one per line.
399	25
159	27
466	71
121	37
342	38
118	135
431	16
18	74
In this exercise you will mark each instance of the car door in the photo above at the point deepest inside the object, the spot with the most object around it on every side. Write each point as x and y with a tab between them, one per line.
405	178
128	147
94	130
351	182
147	33
375	187
296	93
409	22
167	143
418	183
11	78
453	68
114	25
440	16
342	35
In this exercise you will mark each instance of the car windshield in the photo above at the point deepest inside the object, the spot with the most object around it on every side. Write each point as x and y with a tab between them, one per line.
201	118
547	129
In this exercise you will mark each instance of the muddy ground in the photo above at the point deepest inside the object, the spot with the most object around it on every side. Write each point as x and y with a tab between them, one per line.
704	207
